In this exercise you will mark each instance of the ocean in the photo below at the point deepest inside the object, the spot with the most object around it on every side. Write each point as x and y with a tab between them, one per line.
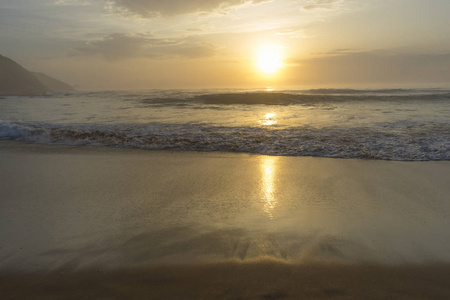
386	124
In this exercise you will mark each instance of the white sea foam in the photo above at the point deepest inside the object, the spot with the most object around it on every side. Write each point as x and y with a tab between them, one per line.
398	142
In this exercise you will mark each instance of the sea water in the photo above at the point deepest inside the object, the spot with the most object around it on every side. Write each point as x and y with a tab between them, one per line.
395	124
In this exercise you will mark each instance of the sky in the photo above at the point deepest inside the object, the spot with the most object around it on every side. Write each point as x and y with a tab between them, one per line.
148	44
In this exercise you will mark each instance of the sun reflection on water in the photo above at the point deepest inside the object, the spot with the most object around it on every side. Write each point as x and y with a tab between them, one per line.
268	188
269	119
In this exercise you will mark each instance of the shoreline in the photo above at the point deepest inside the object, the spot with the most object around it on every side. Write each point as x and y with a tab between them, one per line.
30	146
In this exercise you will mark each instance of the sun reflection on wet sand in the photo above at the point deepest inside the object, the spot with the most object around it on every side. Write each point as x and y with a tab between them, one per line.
268	188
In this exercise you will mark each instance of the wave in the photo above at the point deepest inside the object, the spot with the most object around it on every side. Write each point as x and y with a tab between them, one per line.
377	91
404	140
309	97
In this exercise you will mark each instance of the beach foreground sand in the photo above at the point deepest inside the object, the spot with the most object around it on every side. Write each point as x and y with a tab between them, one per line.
93	222
263	280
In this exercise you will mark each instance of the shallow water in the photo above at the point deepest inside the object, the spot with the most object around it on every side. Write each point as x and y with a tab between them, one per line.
379	124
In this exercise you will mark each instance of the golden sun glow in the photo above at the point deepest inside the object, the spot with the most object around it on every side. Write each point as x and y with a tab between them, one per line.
269	59
269	119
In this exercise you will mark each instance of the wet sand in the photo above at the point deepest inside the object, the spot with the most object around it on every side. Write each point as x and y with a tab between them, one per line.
262	280
85	222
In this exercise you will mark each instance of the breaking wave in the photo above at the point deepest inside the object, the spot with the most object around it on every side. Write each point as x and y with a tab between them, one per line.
403	140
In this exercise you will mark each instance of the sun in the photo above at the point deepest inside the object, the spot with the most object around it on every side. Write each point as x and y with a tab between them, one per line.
269	59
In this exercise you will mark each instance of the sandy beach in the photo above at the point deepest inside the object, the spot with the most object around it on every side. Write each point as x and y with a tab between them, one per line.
92	222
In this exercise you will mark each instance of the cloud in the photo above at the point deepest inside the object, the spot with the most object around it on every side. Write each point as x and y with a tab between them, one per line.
340	51
378	66
72	2
293	33
195	50
153	8
320	4
120	46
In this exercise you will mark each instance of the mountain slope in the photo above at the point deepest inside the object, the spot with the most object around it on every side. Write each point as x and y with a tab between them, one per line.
15	80
53	85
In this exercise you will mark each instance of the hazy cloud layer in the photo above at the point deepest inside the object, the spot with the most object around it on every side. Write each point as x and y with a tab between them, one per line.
340	51
315	4
152	8
72	2
122	46
377	67
291	32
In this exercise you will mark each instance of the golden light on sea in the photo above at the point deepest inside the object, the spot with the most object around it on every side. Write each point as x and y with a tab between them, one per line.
269	119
